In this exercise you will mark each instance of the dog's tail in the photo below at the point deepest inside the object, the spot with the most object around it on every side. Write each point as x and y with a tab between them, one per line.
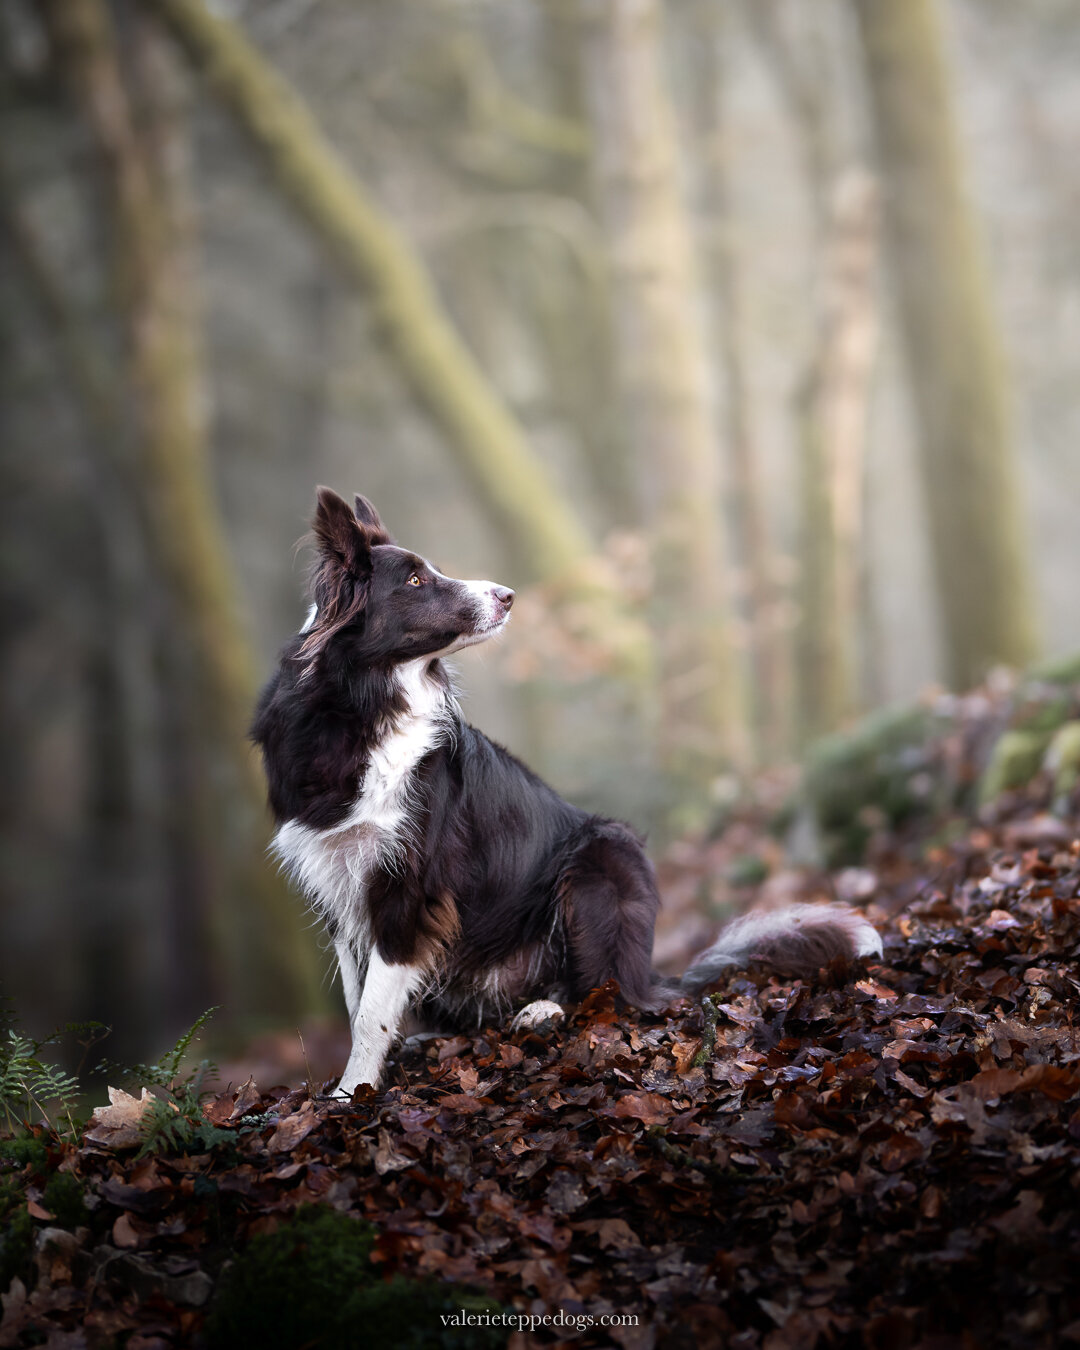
796	940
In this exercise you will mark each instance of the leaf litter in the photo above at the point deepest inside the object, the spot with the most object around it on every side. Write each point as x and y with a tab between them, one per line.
885	1158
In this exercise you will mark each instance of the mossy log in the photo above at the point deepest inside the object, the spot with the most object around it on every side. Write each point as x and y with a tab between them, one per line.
1063	760
371	252
1017	758
895	766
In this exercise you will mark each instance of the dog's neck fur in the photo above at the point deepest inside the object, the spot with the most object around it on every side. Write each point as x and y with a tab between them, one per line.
331	866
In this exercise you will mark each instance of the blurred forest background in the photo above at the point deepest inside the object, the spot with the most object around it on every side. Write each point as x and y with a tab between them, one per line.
739	336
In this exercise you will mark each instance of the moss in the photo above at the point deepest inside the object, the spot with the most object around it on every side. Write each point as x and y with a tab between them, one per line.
407	1315
16	1246
16	1226
879	773
19	1159
1042	713
746	870
312	1283
63	1198
24	1151
1063	759
1016	759
869	766
1061	670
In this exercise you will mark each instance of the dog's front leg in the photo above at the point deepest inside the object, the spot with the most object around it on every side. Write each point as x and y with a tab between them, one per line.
376	1012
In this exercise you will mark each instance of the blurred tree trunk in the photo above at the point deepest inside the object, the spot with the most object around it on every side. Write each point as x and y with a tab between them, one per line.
171	477
107	983
835	656
768	697
833	404
800	63
663	371
541	529
957	372
580	350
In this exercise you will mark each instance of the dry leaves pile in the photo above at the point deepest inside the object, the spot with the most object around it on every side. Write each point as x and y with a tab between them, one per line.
884	1161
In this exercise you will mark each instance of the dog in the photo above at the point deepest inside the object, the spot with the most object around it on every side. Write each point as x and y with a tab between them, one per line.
454	883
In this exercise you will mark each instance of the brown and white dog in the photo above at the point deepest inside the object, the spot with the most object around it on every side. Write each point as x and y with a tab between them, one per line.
456	884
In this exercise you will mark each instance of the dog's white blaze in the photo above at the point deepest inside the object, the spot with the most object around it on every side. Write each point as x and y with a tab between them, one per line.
491	612
309	622
388	991
331	866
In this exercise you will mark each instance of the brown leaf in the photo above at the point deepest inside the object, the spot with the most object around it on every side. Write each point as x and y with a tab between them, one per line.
792	1108
117	1125
684	1052
930	1202
219	1111
610	1232
875	990
14	1307
462	1104
1000	919
123	1232
951	1106
247	1099
648	1107
292	1129
1056	1082
388	1158
898	1151
565	1193
991	1084
1053	1081
468	1077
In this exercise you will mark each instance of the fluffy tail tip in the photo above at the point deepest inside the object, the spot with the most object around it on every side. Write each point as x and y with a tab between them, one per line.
798	940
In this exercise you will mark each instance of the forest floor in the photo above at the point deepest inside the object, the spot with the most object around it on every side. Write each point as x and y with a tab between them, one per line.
884	1158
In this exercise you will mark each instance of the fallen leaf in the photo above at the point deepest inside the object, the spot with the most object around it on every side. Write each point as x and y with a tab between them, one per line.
292	1129
648	1107
118	1124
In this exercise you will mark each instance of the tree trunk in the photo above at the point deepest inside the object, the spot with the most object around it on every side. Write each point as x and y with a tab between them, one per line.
768	700
539	528
957	372
171	475
833	406
374	256
663	374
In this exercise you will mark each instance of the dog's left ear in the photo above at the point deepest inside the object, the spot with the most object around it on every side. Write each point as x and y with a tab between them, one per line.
369	518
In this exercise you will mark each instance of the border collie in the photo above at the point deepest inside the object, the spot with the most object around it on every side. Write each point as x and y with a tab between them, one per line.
454	883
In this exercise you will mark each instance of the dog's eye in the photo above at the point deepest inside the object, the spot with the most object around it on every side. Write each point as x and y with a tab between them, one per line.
414	580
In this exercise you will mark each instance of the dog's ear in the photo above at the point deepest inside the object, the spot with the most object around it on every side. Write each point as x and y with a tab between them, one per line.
369	518
341	577
340	535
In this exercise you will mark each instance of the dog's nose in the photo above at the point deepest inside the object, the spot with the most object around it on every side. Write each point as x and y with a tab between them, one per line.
504	596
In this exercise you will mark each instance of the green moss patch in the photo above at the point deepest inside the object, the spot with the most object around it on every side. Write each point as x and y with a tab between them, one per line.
312	1284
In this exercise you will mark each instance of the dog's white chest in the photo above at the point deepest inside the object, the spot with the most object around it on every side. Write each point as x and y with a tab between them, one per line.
331	866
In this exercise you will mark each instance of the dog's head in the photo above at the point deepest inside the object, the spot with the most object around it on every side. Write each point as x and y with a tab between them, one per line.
383	605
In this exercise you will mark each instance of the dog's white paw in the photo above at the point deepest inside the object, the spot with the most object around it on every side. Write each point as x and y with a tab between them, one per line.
543	1010
362	1071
